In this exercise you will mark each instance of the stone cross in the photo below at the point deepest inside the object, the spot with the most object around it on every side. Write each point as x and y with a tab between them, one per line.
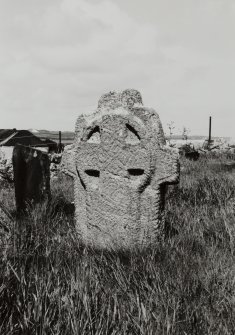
120	165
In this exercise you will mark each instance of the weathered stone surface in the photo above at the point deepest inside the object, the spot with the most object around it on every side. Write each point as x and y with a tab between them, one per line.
31	175
67	164
120	165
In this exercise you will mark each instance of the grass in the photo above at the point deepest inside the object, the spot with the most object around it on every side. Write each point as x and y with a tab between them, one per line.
185	285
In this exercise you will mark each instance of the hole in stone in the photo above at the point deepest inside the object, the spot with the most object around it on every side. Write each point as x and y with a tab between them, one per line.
133	131
136	172
94	135
93	173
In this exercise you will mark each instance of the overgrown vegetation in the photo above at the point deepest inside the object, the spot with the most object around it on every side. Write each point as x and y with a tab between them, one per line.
185	285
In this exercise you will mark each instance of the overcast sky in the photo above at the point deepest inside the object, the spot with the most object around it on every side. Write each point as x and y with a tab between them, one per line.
58	56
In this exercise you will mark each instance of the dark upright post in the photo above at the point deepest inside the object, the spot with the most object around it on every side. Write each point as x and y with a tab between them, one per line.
209	139
31	175
60	144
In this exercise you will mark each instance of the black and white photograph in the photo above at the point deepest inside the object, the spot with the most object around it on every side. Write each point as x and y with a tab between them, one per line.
117	167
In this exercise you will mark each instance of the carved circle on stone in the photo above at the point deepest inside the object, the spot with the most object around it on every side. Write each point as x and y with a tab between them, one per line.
116	146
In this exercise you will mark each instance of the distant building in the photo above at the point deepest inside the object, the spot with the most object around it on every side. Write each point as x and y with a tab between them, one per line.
67	137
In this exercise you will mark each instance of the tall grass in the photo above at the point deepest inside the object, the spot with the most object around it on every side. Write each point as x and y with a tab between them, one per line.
185	285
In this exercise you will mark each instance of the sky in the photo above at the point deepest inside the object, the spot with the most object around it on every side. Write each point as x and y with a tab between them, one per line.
57	57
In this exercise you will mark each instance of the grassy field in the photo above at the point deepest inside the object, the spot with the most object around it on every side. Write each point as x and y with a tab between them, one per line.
185	285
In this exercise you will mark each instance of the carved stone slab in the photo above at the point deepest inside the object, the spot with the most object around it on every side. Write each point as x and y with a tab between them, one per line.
31	175
120	165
